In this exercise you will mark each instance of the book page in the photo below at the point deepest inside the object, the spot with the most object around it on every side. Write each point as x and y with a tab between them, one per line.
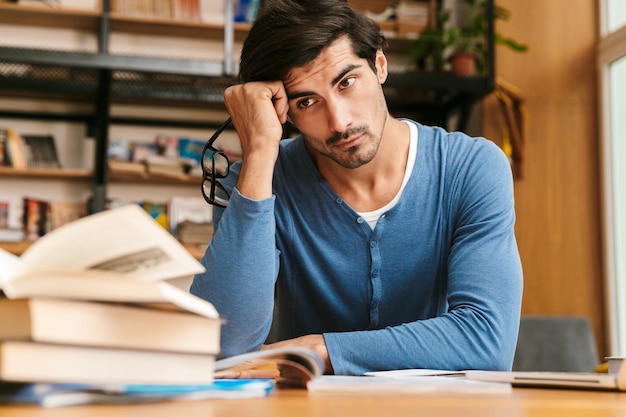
98	285
9	263
124	239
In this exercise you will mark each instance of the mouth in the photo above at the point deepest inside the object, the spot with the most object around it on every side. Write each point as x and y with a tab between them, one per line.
348	143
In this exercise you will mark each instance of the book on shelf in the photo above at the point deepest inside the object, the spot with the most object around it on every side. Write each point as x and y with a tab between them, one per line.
4	148
35	217
67	394
158	211
191	150
246	10
41	216
188	10
23	151
15	150
190	219
8	233
194	233
41	151
62	4
168	166
63	212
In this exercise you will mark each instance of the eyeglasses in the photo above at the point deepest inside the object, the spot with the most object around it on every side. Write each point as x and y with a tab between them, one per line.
215	166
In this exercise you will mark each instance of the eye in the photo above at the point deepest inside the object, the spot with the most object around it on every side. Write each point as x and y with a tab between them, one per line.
305	103
347	82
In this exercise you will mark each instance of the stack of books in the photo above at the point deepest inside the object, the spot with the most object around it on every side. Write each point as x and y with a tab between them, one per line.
89	303
90	313
191	220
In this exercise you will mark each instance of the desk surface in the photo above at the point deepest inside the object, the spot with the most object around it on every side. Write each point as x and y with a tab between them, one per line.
526	402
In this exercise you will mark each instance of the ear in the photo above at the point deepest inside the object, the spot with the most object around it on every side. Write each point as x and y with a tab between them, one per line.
381	66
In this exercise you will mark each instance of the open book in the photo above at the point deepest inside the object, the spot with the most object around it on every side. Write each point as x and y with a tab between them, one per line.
118	255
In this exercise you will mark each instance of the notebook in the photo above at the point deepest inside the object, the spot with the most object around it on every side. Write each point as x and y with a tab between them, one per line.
615	380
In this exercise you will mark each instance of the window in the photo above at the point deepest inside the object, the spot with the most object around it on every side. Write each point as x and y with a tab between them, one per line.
615	14
612	70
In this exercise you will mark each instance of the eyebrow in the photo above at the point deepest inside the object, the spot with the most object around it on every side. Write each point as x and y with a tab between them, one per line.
347	69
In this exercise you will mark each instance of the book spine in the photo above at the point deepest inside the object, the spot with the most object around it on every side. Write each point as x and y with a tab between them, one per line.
4	148
241	12
16	148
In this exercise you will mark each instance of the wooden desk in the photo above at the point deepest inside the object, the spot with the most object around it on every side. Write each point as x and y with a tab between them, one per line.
522	402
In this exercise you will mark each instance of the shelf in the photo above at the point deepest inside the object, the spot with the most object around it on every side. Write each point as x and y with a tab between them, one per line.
83	174
130	177
169	27
16	248
102	61
46	173
41	73
17	14
89	20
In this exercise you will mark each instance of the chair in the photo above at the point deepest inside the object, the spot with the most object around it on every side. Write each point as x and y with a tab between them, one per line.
555	343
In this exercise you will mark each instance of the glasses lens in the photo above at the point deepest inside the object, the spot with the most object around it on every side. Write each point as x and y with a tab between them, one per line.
215	163
214	192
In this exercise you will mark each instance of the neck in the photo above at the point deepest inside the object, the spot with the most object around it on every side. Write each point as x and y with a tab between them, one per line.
376	183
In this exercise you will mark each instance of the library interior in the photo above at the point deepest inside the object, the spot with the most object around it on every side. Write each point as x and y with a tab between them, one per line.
106	106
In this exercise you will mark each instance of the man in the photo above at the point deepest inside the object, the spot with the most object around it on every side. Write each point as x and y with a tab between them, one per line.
379	243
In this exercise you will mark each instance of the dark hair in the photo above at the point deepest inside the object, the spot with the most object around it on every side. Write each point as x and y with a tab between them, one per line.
291	33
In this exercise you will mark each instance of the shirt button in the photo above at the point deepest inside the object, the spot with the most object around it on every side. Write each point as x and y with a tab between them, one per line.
360	220
373	244
339	200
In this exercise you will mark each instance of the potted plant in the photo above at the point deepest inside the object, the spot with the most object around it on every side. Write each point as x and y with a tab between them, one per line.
473	34
428	50
452	42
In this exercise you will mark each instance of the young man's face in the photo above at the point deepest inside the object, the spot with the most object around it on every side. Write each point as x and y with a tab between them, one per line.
337	103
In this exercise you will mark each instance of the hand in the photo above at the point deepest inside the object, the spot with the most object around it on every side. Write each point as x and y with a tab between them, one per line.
314	342
258	111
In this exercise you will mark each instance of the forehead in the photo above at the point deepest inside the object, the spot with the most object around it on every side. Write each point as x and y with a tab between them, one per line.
328	64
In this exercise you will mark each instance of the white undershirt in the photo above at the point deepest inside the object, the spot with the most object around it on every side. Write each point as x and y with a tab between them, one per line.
371	217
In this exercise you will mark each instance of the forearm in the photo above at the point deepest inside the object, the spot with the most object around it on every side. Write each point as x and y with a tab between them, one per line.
241	268
462	339
255	178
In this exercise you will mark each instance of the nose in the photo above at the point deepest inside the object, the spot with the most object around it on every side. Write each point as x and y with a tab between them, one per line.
339	114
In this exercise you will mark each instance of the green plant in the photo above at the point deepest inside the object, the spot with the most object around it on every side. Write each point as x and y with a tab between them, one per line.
430	48
473	34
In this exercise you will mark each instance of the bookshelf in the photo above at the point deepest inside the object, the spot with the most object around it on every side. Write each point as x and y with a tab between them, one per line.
97	76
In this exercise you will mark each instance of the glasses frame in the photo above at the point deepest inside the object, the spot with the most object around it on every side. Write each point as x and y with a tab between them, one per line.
212	177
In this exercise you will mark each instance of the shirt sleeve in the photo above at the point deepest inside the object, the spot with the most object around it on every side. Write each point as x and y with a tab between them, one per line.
233	280
484	286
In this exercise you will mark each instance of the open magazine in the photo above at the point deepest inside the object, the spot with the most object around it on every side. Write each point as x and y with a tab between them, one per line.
288	366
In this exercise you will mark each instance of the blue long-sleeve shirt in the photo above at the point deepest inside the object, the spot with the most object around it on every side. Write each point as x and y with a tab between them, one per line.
437	284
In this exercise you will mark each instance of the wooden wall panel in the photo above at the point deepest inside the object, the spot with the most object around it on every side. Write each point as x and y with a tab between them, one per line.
558	199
